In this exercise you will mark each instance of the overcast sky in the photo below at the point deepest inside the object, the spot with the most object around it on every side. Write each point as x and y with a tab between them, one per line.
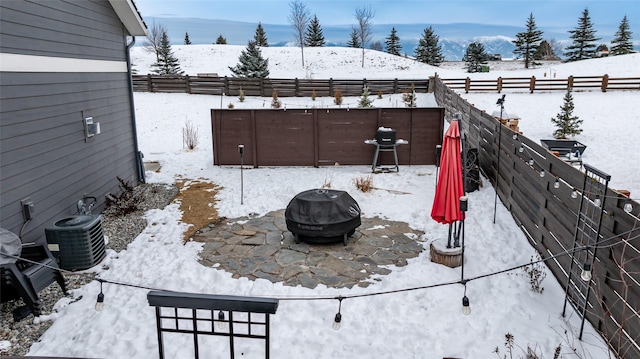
547	13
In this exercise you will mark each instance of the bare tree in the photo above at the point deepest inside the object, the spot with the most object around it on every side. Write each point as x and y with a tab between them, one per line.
153	42
364	15
299	20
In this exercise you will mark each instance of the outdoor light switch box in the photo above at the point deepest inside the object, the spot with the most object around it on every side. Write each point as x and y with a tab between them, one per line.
91	128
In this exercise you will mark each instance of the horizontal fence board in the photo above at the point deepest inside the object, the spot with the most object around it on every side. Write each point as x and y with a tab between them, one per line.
548	215
320	137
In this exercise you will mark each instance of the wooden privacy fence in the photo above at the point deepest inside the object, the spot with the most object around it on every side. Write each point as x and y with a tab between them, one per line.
548	217
264	87
321	137
603	83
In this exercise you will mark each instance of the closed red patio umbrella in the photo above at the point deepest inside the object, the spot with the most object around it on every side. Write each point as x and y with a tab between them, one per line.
450	185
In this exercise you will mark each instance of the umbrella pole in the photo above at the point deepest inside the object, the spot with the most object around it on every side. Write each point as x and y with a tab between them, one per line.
449	239
438	154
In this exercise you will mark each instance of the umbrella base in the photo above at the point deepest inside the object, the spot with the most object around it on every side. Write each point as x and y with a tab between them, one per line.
450	257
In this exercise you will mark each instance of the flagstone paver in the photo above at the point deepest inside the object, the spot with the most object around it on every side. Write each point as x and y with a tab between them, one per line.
262	247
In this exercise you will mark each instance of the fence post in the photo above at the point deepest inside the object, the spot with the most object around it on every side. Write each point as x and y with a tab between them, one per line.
570	82
499	84
467	85
330	86
226	86
532	85
149	83
395	85
187	83
295	88
605	83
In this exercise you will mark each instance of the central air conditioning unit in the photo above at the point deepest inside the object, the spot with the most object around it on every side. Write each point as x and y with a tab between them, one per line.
77	241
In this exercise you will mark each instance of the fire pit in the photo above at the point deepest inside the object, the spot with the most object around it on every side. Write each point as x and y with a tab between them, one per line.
322	216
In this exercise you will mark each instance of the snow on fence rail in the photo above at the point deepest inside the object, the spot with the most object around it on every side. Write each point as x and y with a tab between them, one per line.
604	83
264	87
211	84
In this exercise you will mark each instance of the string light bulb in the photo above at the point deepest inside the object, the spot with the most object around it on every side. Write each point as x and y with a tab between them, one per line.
521	149
556	184
100	301
542	173
627	206
586	272
222	324
597	202
574	194
337	321
515	136
466	309
531	162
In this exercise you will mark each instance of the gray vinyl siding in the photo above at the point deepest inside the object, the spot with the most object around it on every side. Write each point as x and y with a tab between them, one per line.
43	152
85	29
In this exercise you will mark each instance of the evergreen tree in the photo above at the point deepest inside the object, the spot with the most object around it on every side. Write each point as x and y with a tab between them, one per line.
221	40
428	50
260	37
392	43
251	63
475	57
354	41
527	42
314	37
364	99
186	39
584	39
167	63
621	44
566	123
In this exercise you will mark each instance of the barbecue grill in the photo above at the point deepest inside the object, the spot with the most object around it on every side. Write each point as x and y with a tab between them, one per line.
322	216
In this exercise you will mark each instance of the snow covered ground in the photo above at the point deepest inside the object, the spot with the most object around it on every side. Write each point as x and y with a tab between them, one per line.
422	323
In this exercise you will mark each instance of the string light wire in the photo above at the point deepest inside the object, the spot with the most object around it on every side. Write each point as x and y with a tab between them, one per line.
603	244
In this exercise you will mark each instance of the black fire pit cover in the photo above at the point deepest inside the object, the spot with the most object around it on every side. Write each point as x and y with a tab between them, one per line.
322	213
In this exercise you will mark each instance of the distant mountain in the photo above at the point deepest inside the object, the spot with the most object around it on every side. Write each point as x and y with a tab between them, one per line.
454	38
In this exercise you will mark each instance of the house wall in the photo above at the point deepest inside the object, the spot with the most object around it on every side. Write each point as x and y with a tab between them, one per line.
61	61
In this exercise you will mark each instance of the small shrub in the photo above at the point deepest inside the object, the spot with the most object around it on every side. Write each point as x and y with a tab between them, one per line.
379	94
329	176
364	184
536	273
275	102
230	105
241	95
528	353
409	96
337	97
364	99
313	95
126	202
189	136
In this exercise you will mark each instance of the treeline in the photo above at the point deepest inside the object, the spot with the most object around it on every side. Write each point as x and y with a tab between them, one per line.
529	44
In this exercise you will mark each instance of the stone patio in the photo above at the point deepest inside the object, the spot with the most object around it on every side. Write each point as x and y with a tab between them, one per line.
262	247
